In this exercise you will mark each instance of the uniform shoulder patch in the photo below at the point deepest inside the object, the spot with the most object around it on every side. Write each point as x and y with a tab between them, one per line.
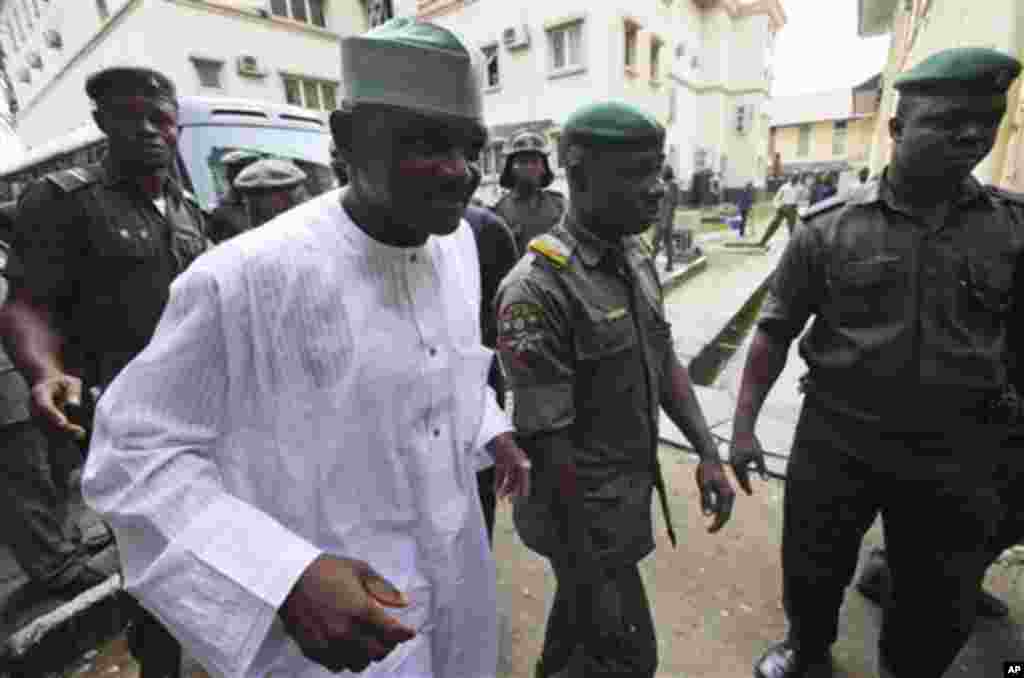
824	206
74	178
551	248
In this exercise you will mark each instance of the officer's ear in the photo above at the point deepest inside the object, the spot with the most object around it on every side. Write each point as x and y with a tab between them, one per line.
896	127
342	125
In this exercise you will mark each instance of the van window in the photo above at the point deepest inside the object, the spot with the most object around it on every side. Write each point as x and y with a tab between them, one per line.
202	146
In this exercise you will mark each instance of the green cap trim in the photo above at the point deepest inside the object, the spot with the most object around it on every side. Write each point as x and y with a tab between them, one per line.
613	123
976	70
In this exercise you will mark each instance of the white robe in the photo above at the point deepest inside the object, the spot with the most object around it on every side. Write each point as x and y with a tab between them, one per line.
308	389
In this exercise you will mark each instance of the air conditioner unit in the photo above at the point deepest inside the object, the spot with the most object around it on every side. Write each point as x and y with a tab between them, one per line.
515	36
250	65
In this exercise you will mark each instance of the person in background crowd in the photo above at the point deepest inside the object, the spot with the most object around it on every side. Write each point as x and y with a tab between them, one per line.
229	218
100	246
744	203
583	338
496	247
269	187
863	175
40	527
529	207
314	406
785	203
665	224
904	413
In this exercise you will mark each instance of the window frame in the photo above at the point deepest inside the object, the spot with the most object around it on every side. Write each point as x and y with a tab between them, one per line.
565	28
843	125
803	141
484	49
289	13
302	81
631	45
655	50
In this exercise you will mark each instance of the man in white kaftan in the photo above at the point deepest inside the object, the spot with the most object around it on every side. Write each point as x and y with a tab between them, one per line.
313	390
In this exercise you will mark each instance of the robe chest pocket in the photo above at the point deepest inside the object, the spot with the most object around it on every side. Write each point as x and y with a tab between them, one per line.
865	291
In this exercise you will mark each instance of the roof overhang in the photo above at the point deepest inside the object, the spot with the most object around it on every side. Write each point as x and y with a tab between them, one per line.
874	17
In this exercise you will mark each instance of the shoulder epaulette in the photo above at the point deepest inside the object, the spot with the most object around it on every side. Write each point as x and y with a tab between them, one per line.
72	179
551	248
641	244
824	206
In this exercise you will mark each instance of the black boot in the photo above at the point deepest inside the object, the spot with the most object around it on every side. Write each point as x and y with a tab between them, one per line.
783	661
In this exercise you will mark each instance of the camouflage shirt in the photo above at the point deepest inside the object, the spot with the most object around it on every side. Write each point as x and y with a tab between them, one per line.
584	342
530	216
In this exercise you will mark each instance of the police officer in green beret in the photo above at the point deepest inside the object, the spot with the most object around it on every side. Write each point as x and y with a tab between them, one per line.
583	338
100	246
529	207
229	217
269	187
908	278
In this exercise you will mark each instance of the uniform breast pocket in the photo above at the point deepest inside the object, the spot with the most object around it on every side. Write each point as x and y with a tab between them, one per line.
867	292
125	247
604	349
986	292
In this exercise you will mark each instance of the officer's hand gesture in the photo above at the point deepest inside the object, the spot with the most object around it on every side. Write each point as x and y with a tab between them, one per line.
746	451
52	395
716	493
336	614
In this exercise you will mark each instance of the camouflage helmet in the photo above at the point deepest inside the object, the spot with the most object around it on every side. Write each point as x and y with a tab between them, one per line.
526	142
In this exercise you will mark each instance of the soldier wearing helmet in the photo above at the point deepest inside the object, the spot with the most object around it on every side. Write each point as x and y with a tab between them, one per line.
529	208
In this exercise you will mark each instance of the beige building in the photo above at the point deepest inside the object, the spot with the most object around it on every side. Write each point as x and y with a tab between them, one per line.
824	131
918	29
702	67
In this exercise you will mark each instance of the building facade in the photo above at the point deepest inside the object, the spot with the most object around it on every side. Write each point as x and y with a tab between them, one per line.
918	29
273	50
824	131
701	67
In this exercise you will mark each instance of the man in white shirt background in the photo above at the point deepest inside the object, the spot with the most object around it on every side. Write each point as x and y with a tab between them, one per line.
786	201
313	408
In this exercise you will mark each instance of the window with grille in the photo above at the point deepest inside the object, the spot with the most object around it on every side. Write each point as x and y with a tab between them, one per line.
566	46
656	59
803	144
304	11
839	133
209	72
378	11
319	95
491	59
632	32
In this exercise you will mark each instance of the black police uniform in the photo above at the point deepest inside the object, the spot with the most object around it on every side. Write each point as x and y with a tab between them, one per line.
498	254
906	358
100	256
584	341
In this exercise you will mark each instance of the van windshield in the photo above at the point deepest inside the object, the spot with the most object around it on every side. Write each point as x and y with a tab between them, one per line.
202	146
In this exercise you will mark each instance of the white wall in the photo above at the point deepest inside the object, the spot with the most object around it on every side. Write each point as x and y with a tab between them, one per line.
133	38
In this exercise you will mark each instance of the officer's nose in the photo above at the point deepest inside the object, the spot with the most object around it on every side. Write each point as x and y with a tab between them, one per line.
971	133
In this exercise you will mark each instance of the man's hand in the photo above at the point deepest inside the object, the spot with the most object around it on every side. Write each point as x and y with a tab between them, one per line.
716	493
511	468
336	614
50	398
746	451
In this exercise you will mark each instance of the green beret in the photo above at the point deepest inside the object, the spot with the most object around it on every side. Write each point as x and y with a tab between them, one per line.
969	70
129	81
615	125
412	64
269	174
239	157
